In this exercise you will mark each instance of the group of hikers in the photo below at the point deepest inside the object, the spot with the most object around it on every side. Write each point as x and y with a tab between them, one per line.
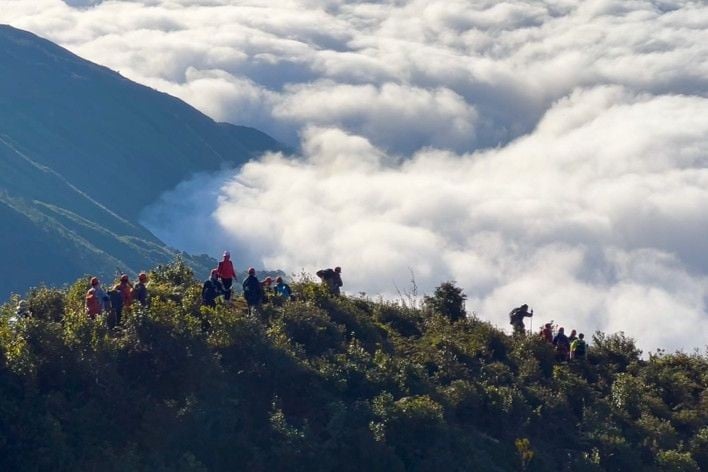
258	292
219	284
116	299
566	347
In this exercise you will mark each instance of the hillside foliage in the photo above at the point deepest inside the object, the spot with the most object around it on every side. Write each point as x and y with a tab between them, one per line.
325	383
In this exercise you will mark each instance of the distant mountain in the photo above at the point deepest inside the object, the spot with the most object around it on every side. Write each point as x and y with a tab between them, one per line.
82	151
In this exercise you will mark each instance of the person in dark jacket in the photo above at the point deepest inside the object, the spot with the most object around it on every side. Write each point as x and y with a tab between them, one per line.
140	291
562	345
516	318
116	311
227	274
212	289
332	279
252	292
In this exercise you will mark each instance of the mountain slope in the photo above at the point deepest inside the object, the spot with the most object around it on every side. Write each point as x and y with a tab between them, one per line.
82	151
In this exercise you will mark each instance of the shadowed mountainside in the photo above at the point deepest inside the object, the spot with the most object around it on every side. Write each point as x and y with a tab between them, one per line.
82	151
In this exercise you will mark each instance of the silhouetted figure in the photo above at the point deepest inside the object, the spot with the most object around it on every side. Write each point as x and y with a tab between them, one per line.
140	291
573	336
332	279
547	333
562	345
252	292
212	289
116	312
516	318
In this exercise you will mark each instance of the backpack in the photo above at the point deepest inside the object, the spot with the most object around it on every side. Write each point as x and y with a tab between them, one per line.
514	316
579	347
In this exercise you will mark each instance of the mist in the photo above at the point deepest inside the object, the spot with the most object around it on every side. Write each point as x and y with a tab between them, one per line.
551	153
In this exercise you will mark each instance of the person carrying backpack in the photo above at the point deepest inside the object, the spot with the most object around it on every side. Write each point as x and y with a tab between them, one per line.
227	274
516	318
126	291
578	348
140	291
562	345
332	279
282	289
96	299
212	289
252	292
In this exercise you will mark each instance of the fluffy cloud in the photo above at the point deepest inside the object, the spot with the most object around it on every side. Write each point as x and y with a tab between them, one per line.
553	152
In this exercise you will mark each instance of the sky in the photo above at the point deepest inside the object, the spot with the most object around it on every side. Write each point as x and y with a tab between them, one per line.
552	152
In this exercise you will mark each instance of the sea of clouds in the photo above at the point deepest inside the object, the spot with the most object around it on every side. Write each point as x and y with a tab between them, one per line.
552	152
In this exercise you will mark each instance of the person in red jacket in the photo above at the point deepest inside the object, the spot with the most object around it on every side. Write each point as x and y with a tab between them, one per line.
227	274
126	290
96	299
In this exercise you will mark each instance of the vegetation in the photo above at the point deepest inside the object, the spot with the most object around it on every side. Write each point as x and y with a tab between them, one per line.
330	383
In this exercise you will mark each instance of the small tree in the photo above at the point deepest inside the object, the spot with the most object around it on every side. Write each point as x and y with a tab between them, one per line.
448	300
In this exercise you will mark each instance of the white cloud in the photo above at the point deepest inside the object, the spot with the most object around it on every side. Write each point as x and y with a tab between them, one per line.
552	152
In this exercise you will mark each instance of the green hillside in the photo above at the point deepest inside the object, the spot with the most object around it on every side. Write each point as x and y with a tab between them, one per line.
82	152
327	384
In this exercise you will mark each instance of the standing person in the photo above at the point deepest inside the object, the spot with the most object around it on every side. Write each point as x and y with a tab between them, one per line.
516	318
267	286
96	299
547	333
126	291
573	336
562	345
282	289
116	311
578	348
140	291
212	289
252	292
332	278
227	273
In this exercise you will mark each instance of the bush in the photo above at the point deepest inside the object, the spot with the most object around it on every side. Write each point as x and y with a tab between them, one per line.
448	301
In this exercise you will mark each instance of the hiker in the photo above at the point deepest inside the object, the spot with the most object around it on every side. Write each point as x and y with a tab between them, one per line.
212	289
562	345
96	299
573	336
22	310
282	289
116	311
140	291
267	286
252	292
227	274
332	279
126	291
578	348
547	333
516	318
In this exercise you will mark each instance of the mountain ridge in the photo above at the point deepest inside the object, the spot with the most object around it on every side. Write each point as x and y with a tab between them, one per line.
83	150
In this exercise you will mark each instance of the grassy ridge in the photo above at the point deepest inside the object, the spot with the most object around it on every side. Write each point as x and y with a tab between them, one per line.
324	384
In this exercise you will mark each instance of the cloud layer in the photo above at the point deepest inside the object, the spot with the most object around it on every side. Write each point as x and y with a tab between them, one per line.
554	153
